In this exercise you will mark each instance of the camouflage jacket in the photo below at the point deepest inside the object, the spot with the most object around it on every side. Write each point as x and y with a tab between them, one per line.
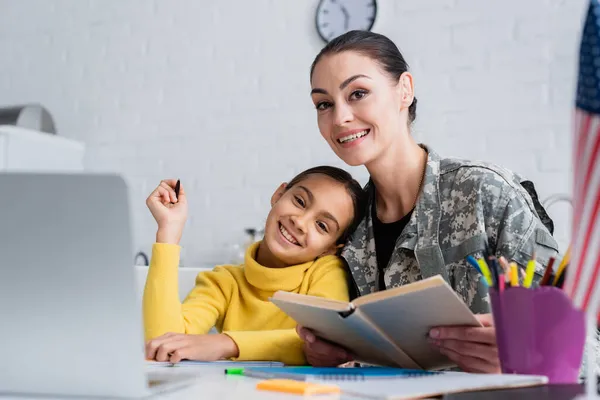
463	207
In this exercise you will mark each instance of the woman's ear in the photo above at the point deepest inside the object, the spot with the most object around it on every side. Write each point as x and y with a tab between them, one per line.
406	89
278	193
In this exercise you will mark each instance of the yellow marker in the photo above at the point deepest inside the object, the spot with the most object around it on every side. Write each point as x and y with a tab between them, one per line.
486	271
566	259
296	387
514	274
529	271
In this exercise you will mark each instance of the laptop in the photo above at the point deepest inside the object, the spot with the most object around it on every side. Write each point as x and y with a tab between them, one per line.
70	317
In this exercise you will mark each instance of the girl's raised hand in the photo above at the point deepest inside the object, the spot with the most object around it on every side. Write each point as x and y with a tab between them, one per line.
169	210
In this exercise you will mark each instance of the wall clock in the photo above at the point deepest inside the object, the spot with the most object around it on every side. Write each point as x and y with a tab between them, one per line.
335	17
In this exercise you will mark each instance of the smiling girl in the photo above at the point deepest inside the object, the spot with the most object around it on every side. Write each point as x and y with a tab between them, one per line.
310	218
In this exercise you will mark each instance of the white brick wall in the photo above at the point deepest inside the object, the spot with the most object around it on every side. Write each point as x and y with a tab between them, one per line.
217	93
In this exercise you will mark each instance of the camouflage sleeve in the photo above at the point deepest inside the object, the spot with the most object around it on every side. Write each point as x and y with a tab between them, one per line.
521	234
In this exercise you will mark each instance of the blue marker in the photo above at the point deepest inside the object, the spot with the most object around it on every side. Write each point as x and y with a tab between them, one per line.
487	278
471	260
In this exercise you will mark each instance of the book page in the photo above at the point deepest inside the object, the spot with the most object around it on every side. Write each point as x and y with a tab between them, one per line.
401	290
407	319
352	332
316	301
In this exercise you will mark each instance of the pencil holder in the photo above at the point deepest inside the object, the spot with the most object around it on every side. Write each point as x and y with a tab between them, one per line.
538	332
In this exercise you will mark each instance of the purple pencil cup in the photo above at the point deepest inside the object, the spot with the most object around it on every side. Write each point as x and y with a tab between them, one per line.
539	332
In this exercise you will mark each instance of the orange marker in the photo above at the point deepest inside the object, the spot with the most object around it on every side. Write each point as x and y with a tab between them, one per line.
295	387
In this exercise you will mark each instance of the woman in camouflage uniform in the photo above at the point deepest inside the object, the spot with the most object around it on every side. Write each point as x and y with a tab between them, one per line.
426	213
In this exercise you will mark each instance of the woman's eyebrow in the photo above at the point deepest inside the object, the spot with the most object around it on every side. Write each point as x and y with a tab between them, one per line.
342	85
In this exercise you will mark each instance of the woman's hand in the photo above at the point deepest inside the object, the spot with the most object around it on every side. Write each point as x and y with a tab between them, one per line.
174	347
320	353
169	211
472	349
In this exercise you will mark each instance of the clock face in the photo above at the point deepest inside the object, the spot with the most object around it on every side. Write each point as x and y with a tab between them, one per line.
335	17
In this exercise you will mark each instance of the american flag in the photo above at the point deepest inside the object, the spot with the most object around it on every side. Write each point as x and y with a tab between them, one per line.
583	277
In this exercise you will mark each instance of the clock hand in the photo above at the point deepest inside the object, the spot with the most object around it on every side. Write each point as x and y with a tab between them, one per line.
346	17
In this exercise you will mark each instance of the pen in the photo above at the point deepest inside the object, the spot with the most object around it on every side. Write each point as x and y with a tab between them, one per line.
495	269
522	271
566	259
548	272
504	265
561	278
177	187
507	272
529	271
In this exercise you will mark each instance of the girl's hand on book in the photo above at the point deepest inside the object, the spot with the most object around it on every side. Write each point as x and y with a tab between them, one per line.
472	349
169	211
174	347
320	353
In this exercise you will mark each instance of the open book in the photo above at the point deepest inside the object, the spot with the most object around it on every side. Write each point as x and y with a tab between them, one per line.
390	327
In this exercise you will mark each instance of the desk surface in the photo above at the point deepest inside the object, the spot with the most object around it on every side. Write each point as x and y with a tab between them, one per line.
212	383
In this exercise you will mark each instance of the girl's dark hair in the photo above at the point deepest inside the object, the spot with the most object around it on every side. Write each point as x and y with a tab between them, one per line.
353	188
377	47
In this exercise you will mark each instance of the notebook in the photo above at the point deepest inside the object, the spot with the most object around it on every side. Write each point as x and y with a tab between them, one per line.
433	385
332	373
387	328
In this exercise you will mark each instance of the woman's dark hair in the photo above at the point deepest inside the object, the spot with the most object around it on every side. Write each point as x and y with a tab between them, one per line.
353	188
377	47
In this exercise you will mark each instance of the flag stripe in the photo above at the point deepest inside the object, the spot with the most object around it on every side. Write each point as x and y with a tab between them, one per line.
587	166
590	292
582	125
590	254
585	233
580	211
587	260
